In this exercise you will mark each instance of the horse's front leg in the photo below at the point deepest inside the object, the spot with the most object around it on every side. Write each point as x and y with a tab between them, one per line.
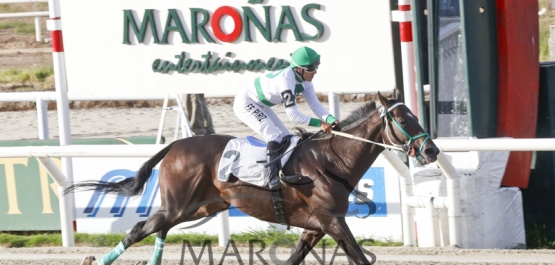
307	241
337	228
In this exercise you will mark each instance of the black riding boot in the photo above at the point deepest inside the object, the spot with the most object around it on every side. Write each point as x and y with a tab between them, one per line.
272	154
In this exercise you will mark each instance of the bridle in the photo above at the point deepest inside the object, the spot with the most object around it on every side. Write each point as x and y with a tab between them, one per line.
406	148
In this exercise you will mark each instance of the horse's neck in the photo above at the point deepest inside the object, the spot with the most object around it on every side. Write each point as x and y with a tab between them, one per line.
358	156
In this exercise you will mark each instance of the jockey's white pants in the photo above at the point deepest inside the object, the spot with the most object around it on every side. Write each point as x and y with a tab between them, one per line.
259	117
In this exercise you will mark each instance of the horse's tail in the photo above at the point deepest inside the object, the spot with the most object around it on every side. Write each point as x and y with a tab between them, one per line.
127	187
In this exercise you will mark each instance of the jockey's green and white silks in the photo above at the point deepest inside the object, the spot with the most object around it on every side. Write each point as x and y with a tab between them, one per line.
253	104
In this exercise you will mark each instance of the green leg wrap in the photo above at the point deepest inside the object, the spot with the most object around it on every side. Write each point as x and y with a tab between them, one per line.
158	250
113	255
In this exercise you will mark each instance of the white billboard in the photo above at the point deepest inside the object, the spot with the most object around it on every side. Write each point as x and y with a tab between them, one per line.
216	47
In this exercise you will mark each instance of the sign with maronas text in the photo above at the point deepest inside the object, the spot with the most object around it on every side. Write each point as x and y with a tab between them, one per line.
218	47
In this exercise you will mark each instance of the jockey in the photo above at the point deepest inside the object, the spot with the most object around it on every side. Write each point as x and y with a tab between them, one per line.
254	104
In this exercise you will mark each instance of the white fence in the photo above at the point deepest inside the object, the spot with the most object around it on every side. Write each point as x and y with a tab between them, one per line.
40	98
36	15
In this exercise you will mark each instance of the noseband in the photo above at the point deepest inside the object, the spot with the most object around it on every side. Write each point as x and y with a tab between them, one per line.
407	149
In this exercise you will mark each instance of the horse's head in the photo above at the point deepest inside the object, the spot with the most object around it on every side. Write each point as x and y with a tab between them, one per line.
401	128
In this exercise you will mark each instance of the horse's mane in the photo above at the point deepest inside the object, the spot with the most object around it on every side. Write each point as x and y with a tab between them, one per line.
356	117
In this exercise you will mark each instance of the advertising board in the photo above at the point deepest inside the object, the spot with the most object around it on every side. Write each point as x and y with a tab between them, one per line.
216	47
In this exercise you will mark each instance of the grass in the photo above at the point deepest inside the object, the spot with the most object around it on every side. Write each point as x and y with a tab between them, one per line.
19	27
269	237
38	78
540	237
23	7
545	20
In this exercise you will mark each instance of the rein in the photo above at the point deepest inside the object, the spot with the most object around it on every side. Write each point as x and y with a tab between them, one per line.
366	140
405	148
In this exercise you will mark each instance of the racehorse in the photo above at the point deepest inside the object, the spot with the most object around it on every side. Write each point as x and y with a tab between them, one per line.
190	189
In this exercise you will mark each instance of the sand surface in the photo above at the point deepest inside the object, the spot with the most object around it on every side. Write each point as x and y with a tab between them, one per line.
129	122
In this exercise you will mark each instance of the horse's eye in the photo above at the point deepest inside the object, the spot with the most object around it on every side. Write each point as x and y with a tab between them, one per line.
402	122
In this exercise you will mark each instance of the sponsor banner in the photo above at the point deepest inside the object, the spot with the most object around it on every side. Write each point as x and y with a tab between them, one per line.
217	47
374	209
28	196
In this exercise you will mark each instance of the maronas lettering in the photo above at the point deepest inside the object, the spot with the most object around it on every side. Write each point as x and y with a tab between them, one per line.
199	19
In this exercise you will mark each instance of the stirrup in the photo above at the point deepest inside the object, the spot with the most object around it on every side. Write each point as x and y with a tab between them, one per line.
290	178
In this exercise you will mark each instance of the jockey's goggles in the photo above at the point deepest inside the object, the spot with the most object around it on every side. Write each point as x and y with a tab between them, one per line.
311	68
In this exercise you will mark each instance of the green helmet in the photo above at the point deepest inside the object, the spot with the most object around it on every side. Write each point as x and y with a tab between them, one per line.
306	58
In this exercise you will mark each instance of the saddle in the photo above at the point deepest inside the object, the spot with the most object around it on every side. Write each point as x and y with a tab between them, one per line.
245	158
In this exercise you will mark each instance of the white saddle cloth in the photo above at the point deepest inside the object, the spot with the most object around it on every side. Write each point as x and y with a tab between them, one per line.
245	158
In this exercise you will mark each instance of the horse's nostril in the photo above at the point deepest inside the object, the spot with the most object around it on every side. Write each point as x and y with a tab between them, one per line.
431	152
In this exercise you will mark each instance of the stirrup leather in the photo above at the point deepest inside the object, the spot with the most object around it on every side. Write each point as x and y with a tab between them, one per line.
277	203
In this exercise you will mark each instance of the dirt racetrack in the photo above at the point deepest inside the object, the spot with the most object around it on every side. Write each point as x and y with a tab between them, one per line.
384	255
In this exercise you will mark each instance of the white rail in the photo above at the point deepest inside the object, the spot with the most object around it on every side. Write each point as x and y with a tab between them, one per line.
42	108
51	96
143	150
25	14
37	15
495	144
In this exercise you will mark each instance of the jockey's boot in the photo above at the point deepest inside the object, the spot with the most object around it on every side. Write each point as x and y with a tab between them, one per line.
272	154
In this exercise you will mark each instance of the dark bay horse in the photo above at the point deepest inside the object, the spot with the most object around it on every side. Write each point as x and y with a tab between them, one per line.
190	190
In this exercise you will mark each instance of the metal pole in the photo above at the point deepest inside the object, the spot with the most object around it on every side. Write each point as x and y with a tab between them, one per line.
223	232
403	16
38	30
162	120
405	183
333	100
42	118
453	199
60	81
186	128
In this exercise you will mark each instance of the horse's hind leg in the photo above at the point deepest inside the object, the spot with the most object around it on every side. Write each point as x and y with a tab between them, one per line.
159	247
307	241
142	229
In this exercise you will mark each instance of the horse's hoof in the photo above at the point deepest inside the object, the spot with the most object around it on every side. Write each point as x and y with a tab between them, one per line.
90	260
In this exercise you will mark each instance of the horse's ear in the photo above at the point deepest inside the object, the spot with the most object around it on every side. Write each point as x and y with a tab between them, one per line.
398	95
383	100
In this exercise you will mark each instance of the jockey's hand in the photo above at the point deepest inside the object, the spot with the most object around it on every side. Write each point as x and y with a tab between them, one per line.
336	126
326	127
